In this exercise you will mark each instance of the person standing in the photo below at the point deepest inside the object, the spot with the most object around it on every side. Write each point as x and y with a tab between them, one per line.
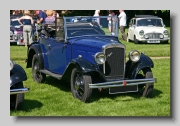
27	27
42	16
50	19
55	14
111	24
97	14
122	23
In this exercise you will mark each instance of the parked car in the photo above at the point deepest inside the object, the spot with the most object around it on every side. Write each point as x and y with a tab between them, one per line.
17	89
89	58
147	29
16	30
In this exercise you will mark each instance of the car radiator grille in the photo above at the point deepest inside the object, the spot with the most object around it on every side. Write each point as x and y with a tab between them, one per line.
17	36
153	35
114	65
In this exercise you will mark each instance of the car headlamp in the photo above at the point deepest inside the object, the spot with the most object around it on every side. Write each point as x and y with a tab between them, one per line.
11	64
15	32
165	32
134	55
141	32
11	33
100	58
146	36
161	36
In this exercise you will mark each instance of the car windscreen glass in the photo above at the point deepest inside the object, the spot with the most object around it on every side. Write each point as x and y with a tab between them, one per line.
102	25
150	22
15	23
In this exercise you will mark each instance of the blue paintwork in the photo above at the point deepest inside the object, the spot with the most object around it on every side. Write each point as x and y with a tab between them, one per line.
58	55
17	75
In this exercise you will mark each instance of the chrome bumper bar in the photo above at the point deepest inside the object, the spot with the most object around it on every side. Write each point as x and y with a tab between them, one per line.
121	83
19	91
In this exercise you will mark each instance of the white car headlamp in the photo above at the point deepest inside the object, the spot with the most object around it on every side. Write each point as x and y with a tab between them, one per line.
165	32
141	32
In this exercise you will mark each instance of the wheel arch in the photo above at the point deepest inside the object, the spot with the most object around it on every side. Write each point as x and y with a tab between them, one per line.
132	69
35	49
84	67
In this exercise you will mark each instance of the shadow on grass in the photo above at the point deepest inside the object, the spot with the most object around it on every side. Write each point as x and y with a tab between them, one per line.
29	105
134	95
58	84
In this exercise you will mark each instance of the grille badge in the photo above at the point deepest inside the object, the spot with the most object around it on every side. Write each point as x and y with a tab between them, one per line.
109	54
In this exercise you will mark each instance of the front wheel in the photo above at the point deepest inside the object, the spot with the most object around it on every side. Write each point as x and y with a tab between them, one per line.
145	90
17	100
80	86
135	40
37	75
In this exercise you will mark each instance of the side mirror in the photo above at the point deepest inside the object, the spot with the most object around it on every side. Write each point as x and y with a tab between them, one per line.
164	26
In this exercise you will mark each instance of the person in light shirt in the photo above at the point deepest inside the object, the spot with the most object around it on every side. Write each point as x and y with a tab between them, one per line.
122	23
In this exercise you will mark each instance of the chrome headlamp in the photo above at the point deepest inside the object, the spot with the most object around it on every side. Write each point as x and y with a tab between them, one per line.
146	36
134	55
11	33
161	36
141	32
15	32
165	32
100	58
11	64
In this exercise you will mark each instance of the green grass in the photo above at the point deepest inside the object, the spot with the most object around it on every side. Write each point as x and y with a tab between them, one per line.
54	98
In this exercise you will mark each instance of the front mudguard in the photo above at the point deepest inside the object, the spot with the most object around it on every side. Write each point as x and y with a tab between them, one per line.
84	67
35	49
132	68
17	74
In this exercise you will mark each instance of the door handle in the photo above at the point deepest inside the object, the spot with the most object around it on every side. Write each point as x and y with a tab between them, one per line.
49	45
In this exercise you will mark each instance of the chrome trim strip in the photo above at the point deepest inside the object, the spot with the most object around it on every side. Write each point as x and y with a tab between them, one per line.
19	91
121	83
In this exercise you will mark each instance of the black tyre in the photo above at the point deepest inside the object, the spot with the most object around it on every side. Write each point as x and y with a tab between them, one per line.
17	100
145	90
166	42
79	86
37	75
135	40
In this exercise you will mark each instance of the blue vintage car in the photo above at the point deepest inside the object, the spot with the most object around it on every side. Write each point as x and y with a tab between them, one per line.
90	57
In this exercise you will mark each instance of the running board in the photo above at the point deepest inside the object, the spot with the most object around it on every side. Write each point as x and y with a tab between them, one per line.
51	74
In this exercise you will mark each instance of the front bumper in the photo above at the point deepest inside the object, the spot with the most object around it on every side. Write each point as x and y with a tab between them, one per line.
122	83
19	91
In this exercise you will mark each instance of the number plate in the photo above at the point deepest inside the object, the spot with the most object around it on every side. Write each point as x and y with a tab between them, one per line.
124	89
153	41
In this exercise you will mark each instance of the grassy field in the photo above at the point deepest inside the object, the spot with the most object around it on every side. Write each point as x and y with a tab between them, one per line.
54	98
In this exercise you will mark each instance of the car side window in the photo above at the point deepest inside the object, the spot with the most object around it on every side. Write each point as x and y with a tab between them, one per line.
60	35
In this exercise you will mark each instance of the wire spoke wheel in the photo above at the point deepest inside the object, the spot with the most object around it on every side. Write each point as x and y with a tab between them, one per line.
80	86
145	90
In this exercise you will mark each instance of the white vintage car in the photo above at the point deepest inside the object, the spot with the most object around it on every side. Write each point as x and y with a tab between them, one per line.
147	29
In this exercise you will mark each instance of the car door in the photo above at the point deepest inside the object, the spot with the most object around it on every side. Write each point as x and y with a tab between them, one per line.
131	29
57	56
